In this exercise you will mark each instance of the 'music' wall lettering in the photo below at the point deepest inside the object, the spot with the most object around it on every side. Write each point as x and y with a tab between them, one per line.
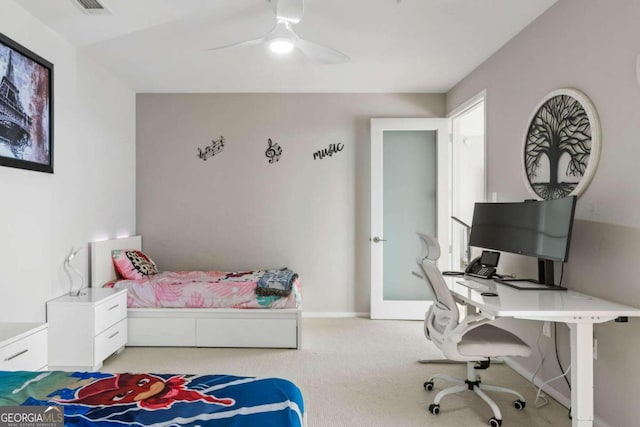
333	149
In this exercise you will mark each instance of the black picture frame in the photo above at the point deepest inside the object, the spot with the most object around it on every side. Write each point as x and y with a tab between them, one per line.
26	108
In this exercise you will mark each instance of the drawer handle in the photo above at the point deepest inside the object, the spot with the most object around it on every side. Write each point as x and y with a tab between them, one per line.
112	307
114	334
16	355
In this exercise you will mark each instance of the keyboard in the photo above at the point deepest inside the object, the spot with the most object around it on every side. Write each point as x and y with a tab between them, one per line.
474	285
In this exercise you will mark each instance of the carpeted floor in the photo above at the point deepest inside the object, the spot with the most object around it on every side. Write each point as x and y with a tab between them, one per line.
357	372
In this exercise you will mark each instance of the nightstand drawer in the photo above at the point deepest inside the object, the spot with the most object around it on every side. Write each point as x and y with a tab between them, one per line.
77	323
26	354
110	340
110	312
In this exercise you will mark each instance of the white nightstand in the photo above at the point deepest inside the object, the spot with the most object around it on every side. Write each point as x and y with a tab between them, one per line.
84	330
23	346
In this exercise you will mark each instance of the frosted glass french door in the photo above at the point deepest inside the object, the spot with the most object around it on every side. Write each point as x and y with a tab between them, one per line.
409	193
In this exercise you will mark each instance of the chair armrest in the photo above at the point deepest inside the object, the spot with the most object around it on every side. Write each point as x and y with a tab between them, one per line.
470	322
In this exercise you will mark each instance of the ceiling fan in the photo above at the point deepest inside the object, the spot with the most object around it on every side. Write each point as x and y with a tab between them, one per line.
282	39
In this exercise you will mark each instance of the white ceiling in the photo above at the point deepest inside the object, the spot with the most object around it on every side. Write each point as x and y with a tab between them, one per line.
394	45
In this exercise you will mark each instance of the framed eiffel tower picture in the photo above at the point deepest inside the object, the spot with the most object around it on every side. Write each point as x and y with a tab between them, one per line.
26	108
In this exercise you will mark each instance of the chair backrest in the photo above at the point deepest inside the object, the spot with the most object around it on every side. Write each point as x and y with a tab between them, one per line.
444	312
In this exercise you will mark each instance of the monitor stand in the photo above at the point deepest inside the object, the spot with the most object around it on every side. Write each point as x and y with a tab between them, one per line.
545	272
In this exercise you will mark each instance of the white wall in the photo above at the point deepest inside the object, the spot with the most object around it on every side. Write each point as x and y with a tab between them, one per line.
237	211
592	46
91	194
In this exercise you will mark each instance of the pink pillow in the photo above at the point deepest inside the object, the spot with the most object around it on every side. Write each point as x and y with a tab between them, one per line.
132	264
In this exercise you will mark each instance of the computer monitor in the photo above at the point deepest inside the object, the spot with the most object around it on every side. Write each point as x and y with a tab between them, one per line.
540	229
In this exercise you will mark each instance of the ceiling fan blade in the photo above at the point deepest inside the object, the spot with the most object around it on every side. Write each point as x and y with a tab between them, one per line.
321	54
289	10
239	44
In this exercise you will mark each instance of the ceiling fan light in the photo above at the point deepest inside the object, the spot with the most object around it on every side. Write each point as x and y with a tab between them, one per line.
281	46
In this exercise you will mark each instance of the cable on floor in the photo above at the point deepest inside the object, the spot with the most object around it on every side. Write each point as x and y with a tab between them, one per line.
543	357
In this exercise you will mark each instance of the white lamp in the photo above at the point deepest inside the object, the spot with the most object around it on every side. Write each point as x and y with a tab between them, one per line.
68	269
282	39
281	46
466	235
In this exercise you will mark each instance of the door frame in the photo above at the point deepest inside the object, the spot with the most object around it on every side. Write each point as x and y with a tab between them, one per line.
457	113
381	309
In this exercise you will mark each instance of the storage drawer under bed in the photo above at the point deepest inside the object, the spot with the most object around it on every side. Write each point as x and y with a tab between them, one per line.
224	328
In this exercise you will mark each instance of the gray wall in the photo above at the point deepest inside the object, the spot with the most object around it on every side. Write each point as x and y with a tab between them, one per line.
90	196
237	211
588	45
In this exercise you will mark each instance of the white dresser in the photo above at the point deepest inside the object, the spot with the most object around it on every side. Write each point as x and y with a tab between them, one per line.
84	330
23	346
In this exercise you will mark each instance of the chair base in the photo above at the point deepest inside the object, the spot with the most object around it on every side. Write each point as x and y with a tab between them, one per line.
472	383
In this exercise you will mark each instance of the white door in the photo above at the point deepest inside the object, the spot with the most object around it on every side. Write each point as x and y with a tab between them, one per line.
409	193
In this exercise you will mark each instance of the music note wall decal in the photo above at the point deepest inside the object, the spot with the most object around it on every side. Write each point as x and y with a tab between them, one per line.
217	145
274	151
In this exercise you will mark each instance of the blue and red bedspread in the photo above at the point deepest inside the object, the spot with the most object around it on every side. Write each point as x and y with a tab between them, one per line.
103	399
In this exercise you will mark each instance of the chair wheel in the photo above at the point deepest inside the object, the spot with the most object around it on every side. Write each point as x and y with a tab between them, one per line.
428	385
434	409
519	404
494	422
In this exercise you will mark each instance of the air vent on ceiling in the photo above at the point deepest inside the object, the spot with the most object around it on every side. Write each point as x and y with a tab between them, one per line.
93	7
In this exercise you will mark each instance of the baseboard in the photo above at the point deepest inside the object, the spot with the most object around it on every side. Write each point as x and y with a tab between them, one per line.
548	389
333	314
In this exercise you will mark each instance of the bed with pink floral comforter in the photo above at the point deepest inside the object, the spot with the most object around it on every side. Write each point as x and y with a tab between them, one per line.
204	289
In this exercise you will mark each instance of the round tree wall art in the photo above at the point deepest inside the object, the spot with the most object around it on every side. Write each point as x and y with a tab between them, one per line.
562	145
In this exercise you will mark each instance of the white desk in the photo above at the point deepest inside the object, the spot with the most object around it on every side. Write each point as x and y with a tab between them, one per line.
578	311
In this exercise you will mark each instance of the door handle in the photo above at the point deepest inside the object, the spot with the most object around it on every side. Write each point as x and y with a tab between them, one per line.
376	239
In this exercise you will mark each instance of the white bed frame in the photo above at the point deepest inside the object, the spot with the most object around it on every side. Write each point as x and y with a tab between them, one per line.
197	327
